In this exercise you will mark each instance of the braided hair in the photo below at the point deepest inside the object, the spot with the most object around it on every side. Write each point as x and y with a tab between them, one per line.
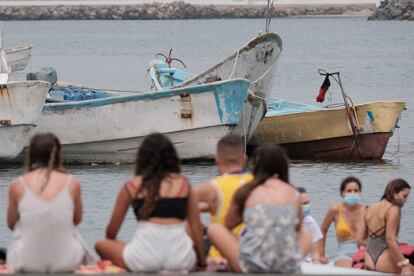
44	152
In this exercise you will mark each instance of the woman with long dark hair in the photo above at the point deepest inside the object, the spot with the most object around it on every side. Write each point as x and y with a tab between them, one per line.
379	230
45	206
271	210
162	200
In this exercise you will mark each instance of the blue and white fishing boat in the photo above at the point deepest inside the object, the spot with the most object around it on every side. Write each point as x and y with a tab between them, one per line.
256	62
109	126
21	103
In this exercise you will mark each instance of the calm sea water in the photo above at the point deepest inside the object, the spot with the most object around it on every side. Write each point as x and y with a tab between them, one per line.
376	60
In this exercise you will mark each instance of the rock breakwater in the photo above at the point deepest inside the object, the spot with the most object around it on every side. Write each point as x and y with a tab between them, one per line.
394	10
174	10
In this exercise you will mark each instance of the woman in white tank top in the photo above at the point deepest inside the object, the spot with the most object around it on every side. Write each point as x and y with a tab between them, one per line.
44	208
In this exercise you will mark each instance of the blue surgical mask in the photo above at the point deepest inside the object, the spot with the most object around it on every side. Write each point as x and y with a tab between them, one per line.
306	209
352	199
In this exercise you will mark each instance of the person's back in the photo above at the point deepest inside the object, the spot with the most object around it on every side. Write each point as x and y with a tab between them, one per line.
44	208
217	194
271	217
226	185
381	226
162	200
164	225
271	210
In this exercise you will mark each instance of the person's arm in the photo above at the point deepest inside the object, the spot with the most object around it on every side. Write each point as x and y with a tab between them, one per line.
316	237
300	215
12	210
77	199
361	231
392	222
233	217
315	253
118	214
195	227
206	197
329	218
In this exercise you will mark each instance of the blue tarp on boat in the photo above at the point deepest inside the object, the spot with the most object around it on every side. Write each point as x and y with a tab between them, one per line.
278	107
72	93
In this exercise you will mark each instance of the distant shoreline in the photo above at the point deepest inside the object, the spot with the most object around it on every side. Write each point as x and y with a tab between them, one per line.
175	10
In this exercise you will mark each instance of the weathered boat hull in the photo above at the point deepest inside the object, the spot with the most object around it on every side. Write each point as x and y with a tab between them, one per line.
190	144
21	104
372	146
110	129
326	134
13	140
255	62
18	57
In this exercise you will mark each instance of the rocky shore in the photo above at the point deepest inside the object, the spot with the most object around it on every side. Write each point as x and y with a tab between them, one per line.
174	10
394	10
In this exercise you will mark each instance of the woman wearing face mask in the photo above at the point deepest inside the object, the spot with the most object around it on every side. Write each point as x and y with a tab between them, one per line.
346	215
380	225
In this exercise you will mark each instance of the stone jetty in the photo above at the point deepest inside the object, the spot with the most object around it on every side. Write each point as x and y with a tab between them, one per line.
174	10
394	10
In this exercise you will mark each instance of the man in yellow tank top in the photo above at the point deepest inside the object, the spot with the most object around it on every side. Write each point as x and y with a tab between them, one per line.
215	197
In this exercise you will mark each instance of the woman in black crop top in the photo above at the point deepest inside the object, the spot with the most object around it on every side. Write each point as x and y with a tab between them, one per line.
162	201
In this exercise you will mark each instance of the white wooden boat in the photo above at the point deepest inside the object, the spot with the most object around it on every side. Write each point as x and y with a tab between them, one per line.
18	57
21	104
110	129
255	62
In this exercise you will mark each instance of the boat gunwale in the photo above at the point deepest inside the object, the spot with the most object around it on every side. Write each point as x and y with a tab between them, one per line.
252	43
149	95
336	108
18	49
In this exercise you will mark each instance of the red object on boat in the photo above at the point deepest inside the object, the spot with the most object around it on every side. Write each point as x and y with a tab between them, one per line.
322	91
